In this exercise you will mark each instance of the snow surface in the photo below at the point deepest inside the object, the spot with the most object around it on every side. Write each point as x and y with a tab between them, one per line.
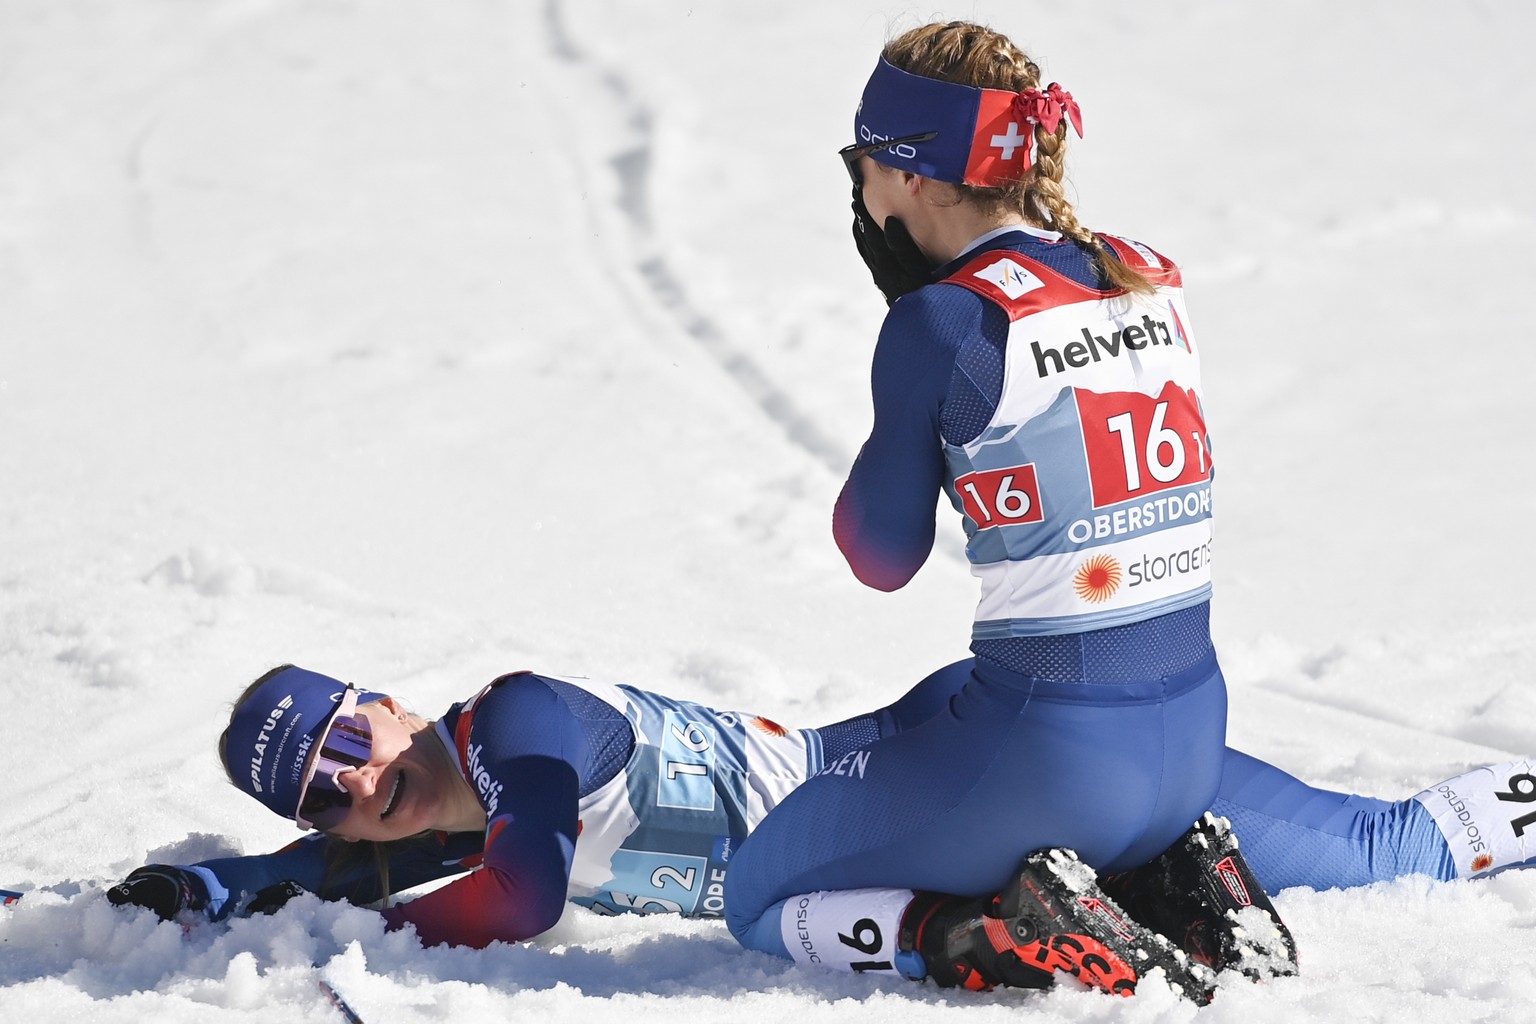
419	342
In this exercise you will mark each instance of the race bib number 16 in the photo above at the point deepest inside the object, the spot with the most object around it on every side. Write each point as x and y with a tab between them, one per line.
1001	497
1138	445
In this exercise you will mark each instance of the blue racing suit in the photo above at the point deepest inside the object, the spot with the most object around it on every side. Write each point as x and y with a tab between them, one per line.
1293	834
1062	416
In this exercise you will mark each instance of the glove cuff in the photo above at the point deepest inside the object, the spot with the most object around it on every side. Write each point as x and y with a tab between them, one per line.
209	894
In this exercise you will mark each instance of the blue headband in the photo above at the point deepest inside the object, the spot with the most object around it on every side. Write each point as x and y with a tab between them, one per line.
274	730
986	136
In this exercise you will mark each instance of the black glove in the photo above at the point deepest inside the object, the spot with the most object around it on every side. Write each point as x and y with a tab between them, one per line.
274	897
162	888
894	260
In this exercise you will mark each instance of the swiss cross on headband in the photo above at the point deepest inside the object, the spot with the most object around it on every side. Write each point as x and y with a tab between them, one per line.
985	136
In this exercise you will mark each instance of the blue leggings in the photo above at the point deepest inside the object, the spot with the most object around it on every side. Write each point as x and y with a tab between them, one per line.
1003	765
1292	834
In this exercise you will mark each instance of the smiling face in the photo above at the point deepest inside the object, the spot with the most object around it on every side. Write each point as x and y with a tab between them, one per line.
409	785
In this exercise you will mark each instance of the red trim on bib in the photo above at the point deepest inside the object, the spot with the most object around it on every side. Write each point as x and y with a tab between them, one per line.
1023	285
1019	284
1153	265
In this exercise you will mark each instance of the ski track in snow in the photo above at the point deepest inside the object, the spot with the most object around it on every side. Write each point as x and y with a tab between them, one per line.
661	286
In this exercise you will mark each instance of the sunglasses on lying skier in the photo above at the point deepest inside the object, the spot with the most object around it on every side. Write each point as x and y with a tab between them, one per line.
346	743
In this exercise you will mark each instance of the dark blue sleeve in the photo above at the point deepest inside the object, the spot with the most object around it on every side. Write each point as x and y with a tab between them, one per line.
526	751
309	862
884	518
229	880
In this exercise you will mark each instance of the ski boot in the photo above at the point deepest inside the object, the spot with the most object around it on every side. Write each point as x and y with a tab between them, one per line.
1052	916
1201	894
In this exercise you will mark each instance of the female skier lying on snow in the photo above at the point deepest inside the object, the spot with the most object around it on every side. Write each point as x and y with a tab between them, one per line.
620	800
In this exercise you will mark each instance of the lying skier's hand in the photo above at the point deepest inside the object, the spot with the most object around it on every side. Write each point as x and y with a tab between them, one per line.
274	897
163	888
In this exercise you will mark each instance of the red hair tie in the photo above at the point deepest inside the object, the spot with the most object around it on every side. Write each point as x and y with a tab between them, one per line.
1047	108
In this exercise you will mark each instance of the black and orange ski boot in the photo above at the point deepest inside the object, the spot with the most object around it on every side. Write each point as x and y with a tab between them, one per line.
1201	894
1051	917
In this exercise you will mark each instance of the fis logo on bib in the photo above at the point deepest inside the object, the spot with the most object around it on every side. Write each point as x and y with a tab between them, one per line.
1010	278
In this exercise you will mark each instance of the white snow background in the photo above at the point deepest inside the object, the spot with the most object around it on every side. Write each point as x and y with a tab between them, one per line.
416	343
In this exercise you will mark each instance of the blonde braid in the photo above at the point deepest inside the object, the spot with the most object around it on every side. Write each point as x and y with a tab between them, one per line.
969	54
1043	191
